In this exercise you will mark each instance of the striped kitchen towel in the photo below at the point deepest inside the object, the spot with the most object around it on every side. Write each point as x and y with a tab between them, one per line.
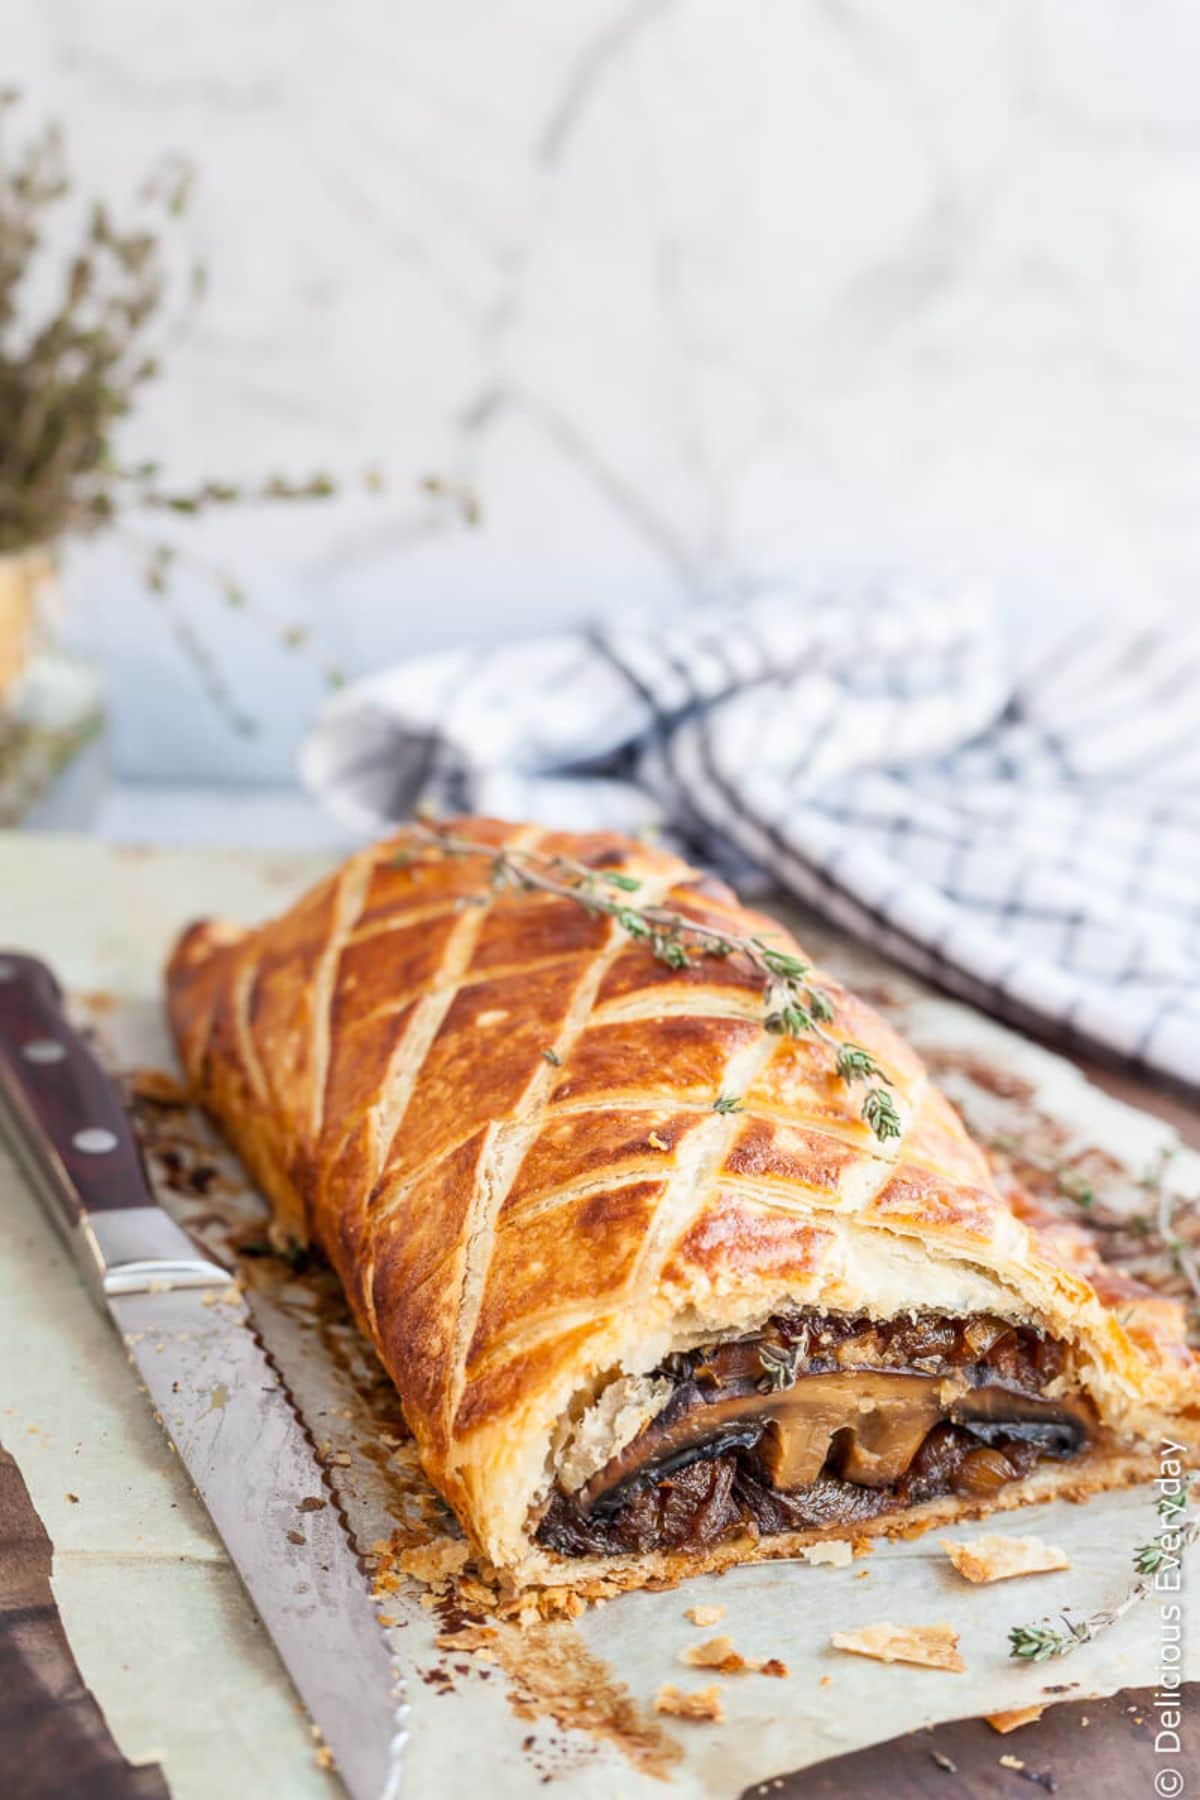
1032	843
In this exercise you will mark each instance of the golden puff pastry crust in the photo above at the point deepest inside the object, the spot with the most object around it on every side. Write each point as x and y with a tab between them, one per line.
494	1113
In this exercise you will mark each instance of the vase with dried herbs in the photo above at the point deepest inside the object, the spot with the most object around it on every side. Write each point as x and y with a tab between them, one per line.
89	306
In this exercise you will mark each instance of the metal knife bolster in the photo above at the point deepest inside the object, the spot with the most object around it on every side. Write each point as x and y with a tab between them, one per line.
71	1134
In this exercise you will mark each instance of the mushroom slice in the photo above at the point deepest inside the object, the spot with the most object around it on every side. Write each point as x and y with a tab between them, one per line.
864	1424
695	1422
871	1423
1058	1427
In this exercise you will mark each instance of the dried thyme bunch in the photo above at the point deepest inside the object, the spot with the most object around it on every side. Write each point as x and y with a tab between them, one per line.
794	1006
70	374
72	370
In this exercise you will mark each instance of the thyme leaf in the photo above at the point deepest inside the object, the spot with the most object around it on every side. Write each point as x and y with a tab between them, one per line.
856	1064
819	1004
879	1111
790	1021
1036	1643
1149	1558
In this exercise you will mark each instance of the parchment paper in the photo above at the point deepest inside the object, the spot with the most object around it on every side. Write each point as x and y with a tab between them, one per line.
506	1715
828	1702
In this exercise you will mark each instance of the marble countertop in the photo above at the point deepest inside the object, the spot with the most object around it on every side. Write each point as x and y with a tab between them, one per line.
684	297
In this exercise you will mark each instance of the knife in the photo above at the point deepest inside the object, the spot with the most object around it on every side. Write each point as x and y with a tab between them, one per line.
220	1398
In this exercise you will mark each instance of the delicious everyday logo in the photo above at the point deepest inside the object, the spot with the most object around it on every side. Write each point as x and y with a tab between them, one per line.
1168	1549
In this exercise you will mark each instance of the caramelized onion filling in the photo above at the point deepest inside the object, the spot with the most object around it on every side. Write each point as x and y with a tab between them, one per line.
814	1409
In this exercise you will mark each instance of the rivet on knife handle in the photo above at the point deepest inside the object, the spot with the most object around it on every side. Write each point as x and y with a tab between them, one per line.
71	1132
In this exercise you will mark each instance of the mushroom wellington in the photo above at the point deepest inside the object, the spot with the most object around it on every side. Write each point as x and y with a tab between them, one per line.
674	1252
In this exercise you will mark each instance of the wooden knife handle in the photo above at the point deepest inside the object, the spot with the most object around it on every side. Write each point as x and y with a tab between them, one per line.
73	1137
60	1102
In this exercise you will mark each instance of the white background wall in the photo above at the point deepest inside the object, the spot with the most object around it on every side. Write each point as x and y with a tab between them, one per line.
689	293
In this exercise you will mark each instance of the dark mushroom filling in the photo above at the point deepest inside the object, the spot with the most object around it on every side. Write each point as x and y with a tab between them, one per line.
825	1421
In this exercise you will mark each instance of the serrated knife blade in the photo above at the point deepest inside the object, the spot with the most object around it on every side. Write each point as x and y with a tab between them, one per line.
219	1396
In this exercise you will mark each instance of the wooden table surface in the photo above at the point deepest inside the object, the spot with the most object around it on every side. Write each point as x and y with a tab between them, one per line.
1083	1747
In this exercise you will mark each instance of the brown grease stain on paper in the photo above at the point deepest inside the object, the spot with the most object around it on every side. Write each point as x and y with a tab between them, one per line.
555	1676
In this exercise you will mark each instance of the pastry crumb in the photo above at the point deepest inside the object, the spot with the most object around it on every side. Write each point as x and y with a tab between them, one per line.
1015	1717
467	1637
715	1653
833	1553
1011	1762
703	1704
718	1653
156	1086
928	1646
476	1593
998	1558
322	1754
705	1615
546	1604
436	1562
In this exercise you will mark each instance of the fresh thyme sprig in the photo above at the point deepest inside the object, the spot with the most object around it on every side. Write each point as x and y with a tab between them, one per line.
1037	1643
795	1006
91	303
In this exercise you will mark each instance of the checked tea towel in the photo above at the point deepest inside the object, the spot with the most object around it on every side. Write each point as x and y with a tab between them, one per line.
1031	842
